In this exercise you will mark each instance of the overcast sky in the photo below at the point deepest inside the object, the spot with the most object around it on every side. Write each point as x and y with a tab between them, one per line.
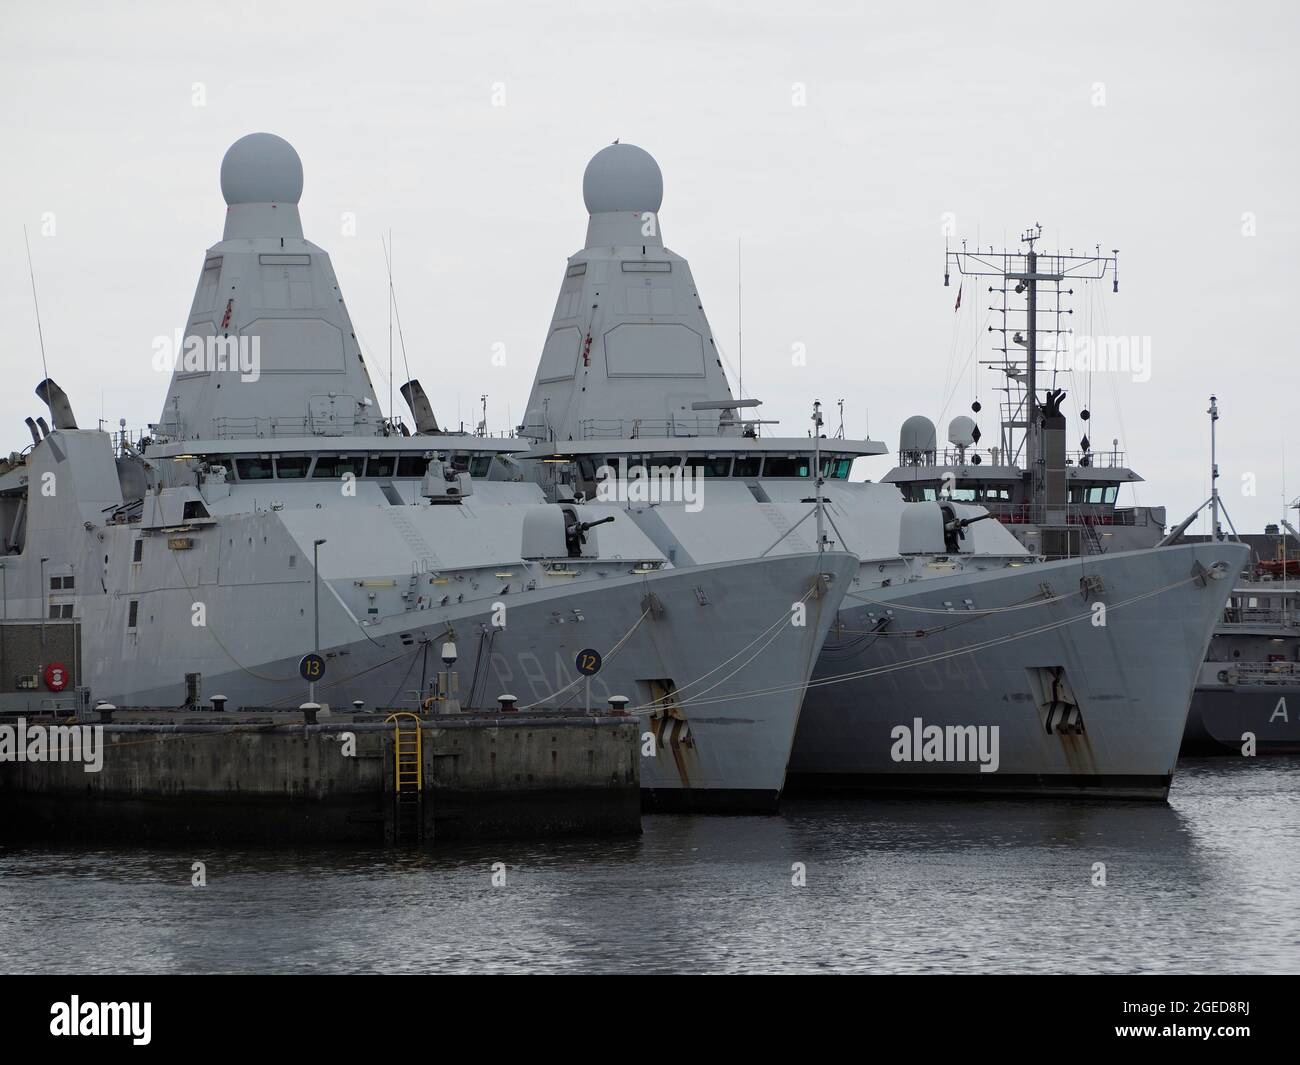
831	139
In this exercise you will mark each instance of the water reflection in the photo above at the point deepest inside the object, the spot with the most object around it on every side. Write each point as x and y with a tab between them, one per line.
1207	882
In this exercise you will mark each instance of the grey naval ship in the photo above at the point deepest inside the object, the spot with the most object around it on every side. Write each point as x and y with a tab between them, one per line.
961	661
189	558
1248	697
1247	694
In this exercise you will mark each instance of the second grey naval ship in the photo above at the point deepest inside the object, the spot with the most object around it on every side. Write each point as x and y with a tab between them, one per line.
1247	696
960	662
191	560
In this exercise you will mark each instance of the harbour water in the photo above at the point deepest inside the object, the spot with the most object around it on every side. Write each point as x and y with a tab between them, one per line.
1208	883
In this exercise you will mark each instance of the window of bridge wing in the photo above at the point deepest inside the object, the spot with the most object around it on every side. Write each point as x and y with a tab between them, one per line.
254	468
479	466
292	467
836	467
335	466
1097	493
747	466
786	466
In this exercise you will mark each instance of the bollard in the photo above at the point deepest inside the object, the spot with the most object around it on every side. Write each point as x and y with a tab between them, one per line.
309	711
618	705
105	712
219	703
507	703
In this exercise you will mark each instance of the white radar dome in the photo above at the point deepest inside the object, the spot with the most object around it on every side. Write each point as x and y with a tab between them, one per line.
917	434
961	431
261	168
622	177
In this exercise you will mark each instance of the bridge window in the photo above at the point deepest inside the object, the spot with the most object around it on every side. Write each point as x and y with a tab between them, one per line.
836	468
411	465
254	468
381	465
329	466
291	467
711	465
781	466
1093	493
747	466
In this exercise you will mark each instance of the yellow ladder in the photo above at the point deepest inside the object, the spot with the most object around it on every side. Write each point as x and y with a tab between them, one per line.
408	777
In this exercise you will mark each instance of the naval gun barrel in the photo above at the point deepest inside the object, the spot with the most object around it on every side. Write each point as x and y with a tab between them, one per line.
959	524
575	534
579	528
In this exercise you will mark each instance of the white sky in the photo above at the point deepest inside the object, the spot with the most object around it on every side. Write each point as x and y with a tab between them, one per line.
912	110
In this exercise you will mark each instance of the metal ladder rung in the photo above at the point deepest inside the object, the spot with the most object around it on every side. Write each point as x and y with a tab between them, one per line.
408	777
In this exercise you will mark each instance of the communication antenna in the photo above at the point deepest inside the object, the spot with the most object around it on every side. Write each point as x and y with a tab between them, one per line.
1216	532
740	331
388	262
817	475
1217	506
394	314
40	333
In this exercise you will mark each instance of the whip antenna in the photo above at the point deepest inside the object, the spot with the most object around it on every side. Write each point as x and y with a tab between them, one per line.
40	333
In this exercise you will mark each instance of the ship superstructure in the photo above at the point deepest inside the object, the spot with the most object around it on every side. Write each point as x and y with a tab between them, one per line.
1059	502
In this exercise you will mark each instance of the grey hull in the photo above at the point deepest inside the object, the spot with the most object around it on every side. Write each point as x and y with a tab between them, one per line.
720	633
1132	678
1222	716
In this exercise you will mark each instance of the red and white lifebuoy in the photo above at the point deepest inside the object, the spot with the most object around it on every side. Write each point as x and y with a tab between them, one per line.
56	676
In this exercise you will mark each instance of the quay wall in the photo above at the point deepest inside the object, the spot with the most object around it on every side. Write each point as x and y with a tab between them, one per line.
484	776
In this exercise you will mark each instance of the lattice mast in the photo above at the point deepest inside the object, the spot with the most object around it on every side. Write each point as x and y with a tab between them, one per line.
1025	271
